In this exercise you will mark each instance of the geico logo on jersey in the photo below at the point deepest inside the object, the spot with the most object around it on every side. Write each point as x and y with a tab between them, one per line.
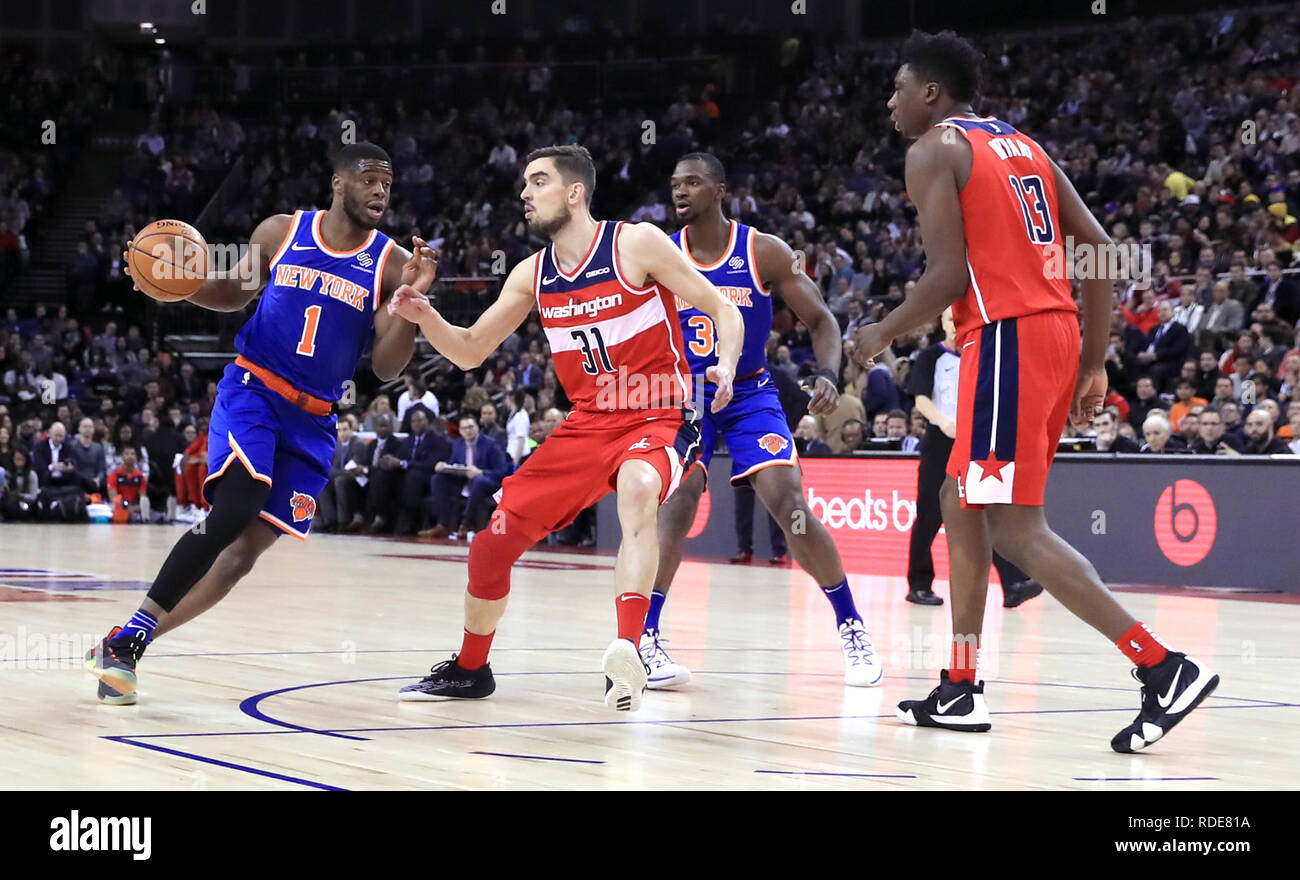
604	270
332	285
304	506
863	513
773	443
589	308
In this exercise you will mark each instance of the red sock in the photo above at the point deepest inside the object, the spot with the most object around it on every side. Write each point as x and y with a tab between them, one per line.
474	650
632	608
964	658
1141	646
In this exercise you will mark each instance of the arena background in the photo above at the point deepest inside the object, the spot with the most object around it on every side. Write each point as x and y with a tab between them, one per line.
221	113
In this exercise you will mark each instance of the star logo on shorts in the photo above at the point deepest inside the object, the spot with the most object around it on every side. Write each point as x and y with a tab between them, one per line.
992	467
643	443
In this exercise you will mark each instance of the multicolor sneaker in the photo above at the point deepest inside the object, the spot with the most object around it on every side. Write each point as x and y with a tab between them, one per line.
113	661
664	673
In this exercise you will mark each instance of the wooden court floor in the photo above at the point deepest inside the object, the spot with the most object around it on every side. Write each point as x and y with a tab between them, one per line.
291	682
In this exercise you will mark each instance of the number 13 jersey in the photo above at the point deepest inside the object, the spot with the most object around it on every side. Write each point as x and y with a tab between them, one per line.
1014	250
616	347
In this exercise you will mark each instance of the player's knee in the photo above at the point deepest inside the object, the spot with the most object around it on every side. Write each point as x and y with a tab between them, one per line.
639	487
495	550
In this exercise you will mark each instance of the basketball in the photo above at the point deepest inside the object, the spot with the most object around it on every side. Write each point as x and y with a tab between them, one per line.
168	260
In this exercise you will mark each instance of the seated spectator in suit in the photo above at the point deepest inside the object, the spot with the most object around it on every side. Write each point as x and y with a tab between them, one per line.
1211	439
1160	439
1233	426
340	500
52	460
384	474
1106	424
1167	346
489	426
1281	293
462	499
1260	439
1147	400
415	395
1225	315
1207	374
808	440
424	449
88	458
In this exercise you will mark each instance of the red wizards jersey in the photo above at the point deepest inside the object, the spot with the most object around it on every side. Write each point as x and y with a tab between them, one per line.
616	347
1013	229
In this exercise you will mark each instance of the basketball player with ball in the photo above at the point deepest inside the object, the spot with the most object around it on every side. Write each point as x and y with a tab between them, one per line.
323	275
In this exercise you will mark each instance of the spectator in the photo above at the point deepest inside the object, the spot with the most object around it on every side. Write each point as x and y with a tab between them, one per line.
19	488
896	429
1186	400
851	436
425	448
1108	438
127	488
161	445
415	393
1167	346
1293	423
1206	375
517	428
1281	293
1260	439
808	440
384	475
192	473
1212	438
340	502
88	459
489	426
1189	312
1232	423
379	406
52	460
1146	401
463	487
1159	437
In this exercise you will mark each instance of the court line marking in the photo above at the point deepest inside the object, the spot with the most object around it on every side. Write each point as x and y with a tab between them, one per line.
538	758
1147	779
819	773
227	764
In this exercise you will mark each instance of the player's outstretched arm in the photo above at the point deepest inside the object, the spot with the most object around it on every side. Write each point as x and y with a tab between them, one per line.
467	347
645	254
1078	222
395	338
931	173
236	289
777	269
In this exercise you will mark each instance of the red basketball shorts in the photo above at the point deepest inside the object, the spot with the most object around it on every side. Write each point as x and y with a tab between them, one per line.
578	464
1014	394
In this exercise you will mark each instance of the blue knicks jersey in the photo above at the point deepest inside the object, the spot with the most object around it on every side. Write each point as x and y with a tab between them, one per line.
317	311
736	276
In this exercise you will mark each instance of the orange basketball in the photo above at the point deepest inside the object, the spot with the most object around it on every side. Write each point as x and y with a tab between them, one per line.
168	260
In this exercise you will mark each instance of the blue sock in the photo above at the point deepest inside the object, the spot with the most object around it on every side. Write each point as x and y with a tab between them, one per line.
842	601
656	605
140	622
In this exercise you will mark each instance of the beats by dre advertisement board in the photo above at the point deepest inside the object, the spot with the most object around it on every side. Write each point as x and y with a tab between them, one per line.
1173	520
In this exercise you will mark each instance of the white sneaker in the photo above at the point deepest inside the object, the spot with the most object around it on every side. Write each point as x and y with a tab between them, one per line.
625	676
664	673
862	665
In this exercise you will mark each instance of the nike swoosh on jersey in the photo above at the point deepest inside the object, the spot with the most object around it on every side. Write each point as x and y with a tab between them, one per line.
552	278
307	247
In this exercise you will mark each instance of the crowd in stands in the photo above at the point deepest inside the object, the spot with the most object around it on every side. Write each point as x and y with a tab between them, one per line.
1189	151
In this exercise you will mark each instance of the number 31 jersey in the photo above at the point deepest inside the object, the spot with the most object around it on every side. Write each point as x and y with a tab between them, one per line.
1014	248
616	347
316	314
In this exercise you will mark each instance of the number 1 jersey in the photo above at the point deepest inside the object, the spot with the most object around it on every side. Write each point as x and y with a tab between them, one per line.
1014	249
316	314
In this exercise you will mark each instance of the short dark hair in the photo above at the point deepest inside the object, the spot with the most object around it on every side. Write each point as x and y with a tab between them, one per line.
350	154
946	58
467	415
896	414
130	446
716	170
572	161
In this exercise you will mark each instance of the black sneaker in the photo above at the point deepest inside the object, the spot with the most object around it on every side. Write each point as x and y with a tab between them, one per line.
923	597
1020	592
1170	691
953	705
450	681
113	661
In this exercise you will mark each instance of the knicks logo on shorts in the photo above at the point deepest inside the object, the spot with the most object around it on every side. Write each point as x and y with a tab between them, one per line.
643	443
304	506
773	443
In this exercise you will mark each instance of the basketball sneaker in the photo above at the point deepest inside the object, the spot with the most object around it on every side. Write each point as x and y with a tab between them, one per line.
664	673
1170	691
113	661
862	666
955	705
625	676
110	697
450	681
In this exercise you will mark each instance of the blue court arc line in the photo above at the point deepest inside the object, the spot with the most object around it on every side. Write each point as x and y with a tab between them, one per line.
249	706
538	758
227	764
1146	779
820	773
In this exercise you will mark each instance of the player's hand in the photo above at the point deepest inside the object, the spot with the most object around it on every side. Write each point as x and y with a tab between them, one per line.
869	341
409	303
1089	395
949	428
126	270
825	396
422	268
720	376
